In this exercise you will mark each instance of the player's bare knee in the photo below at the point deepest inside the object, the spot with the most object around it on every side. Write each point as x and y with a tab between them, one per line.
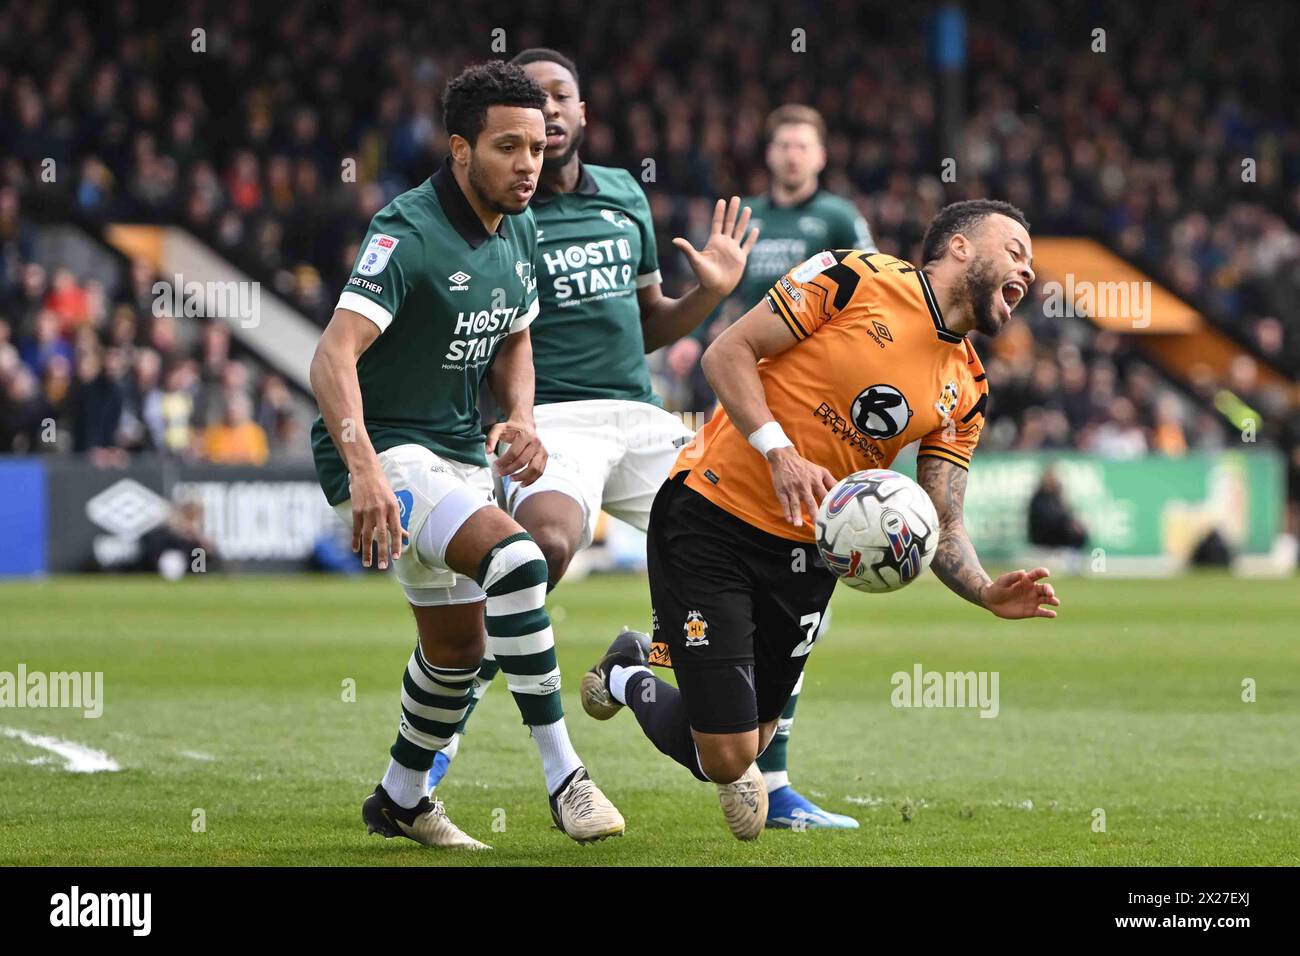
728	762
457	650
451	636
556	549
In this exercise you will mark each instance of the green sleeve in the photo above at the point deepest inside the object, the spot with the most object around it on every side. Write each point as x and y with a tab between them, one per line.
647	270
385	270
852	231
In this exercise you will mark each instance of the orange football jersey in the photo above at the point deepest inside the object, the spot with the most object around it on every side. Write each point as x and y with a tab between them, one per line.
873	370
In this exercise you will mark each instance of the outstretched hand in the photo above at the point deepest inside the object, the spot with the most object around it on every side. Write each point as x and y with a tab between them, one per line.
721	263
1019	594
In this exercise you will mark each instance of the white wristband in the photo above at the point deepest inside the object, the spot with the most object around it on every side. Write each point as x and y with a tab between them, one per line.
769	436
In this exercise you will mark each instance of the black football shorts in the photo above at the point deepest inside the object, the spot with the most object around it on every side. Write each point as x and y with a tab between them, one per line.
735	609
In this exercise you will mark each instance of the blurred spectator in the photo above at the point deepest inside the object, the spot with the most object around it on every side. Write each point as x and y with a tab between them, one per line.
1051	525
46	342
98	399
24	414
176	409
236	439
170	548
275	413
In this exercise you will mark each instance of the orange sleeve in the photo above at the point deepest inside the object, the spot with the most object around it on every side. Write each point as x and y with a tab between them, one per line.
956	438
815	291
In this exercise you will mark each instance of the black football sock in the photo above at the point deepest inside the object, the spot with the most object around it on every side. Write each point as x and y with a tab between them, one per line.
662	715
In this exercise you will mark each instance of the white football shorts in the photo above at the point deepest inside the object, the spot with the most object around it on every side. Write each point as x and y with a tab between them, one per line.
442	493
607	455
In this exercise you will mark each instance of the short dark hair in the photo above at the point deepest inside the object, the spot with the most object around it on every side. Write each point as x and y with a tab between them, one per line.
466	100
544	54
963	217
792	114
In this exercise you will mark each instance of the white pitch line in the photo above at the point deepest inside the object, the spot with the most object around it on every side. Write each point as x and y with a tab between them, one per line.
75	757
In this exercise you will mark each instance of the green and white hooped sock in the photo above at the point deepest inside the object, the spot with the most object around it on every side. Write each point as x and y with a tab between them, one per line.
434	701
513	575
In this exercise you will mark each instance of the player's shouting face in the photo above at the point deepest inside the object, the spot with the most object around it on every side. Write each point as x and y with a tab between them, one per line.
506	159
997	256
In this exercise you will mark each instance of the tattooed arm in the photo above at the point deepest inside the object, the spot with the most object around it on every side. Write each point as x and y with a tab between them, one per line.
1016	594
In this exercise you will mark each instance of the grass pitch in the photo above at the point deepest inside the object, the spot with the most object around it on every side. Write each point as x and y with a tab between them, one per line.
227	696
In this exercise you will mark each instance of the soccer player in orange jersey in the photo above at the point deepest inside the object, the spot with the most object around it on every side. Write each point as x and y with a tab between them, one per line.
850	357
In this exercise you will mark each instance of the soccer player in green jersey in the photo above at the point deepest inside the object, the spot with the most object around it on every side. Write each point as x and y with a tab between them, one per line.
798	219
610	441
441	297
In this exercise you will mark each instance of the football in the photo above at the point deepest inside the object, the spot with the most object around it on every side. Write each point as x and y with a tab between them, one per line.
877	530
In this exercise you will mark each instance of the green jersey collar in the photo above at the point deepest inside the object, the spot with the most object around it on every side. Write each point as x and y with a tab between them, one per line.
586	186
459	212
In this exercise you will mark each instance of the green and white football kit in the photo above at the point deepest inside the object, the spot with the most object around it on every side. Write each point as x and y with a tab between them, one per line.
444	294
609	440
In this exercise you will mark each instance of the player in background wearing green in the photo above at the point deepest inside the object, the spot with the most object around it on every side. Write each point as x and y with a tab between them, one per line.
610	441
440	298
797	219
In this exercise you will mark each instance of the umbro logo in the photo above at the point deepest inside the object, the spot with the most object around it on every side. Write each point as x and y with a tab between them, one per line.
127	509
458	280
882	330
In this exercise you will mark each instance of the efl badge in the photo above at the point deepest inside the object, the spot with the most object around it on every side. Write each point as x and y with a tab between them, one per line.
378	251
812	267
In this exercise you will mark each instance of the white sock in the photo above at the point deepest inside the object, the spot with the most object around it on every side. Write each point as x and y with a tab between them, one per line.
775	779
559	759
405	786
618	678
452	748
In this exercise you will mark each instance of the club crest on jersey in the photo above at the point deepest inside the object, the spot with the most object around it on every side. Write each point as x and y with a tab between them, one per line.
947	403
378	251
812	226
696	629
527	278
458	280
902	543
616	218
881	411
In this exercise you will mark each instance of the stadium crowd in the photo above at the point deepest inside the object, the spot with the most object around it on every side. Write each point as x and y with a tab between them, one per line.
287	128
84	371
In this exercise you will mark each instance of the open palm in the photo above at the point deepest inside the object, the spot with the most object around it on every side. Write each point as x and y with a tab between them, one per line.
721	263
